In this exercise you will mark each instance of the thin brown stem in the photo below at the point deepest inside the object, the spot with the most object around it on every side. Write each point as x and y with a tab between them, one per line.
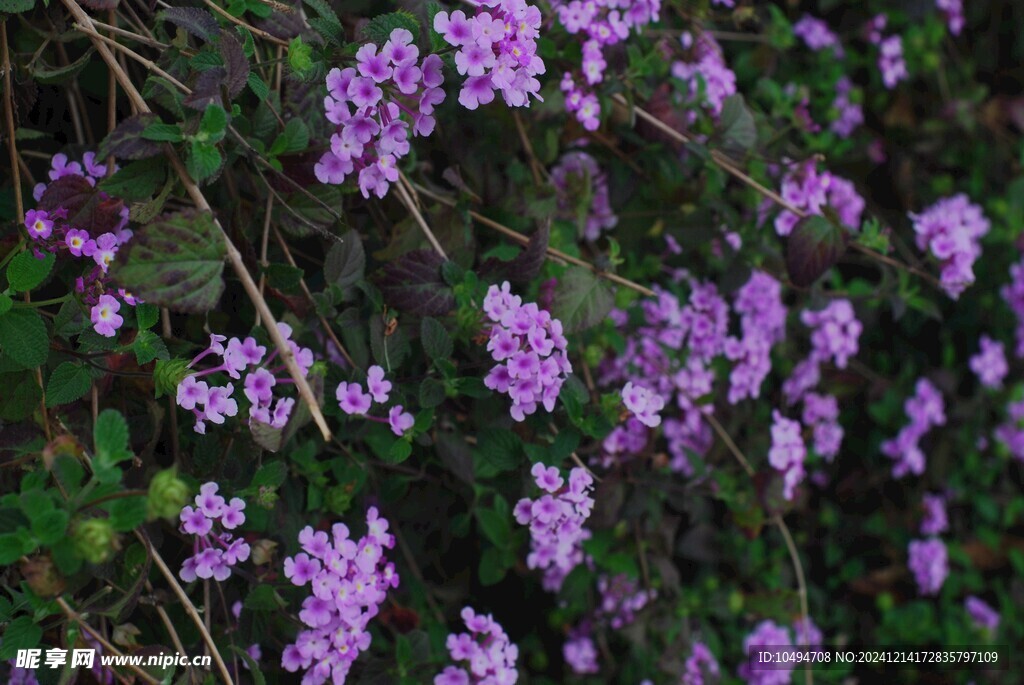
235	20
801	583
234	256
727	439
264	245
535	166
407	200
552	252
74	617
9	120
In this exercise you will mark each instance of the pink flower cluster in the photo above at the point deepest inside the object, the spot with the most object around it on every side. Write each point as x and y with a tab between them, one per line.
890	52
929	563
580	653
817	36
850	114
644	404
353	401
821	414
214	553
348	581
807	189
246	357
705	74
497	50
367	102
787	452
835	334
982	614
491	655
1010	433
951	229
530	349
621	599
599	24
990	363
51	232
556	520
954	13
701	667
763	324
935	520
925	411
766	634
578	175
1013	295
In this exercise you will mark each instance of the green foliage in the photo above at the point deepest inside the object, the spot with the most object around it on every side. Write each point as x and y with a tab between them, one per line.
23	337
26	271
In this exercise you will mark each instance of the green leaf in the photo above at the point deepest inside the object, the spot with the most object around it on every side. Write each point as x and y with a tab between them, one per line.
581	300
400	451
497	451
136	181
161	132
432	393
126	513
111	437
258	85
739	132
23	337
255	669
204	160
26	271
294	138
491	569
494	525
378	29
300	57
22	633
346	261
50	526
15	545
69	382
264	598
5	303
16	6
436	341
146	315
213	125
149	346
176	262
272	474
21	394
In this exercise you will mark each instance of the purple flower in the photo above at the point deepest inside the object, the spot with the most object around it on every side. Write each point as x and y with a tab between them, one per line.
701	666
935	520
644	404
352	399
232	516
373	66
456	28
929	563
76	241
787	452
547	477
399	420
951	230
195	522
376	384
990	363
982	615
219	404
766	634
491	655
259	386
191	392
208	501
301	569
104	316
215	552
580	653
476	91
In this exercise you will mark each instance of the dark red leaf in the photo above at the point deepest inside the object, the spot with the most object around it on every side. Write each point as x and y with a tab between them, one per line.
814	246
525	266
413	284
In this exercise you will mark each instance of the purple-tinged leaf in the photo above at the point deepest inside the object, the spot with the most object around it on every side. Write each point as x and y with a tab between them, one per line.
126	141
814	246
86	208
525	266
413	284
206	89
175	262
195	20
236	65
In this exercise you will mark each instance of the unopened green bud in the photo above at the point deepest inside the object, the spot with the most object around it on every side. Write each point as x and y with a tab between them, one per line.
95	540
167	495
266	497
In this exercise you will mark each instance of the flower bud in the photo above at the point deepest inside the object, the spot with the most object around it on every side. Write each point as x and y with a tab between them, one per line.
167	495
95	540
266	497
41	575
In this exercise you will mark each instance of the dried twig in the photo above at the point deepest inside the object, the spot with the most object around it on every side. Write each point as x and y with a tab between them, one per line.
111	649
407	200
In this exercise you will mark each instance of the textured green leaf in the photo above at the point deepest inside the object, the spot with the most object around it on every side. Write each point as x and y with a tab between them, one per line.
739	133
294	138
127	512
176	262
167	375
378	29
20	396
111	437
214	123
16	6
50	526
5	303
581	300
148	346
436	341
21	633
23	337
204	160
136	181
162	132
346	261
69	382
26	271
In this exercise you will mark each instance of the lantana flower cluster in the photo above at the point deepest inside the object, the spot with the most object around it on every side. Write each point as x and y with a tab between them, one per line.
929	562
890	52
1013	294
643	403
821	414
530	348
701	667
982	614
490	654
354	402
766	634
367	103
807	189
787	452
935	520
817	36
849	113
497	51
556	520
705	73
599	24
763	324
621	598
214	551
348	581
50	231
953	10
248	361
926	410
577	174
951	230
989	364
